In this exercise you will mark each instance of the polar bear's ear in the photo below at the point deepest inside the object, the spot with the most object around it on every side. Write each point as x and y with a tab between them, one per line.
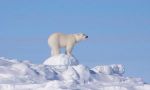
78	34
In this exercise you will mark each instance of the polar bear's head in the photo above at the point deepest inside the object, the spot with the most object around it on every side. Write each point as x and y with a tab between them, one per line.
80	36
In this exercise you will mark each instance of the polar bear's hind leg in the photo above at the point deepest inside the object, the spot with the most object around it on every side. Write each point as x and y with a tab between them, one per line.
55	51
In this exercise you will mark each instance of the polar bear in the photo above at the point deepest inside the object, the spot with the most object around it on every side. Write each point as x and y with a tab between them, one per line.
67	41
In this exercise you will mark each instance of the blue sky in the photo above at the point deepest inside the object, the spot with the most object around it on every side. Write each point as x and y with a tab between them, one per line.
118	30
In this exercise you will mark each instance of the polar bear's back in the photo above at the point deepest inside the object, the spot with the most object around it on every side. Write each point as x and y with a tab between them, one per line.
58	39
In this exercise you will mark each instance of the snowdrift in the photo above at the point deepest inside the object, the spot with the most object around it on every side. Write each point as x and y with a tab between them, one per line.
64	72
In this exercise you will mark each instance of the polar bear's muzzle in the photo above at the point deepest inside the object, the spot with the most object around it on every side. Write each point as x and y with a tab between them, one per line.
86	36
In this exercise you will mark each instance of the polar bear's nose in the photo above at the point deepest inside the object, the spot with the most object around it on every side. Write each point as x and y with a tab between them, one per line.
86	36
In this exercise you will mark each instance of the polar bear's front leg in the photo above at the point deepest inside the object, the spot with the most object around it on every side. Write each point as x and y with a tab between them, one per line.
69	50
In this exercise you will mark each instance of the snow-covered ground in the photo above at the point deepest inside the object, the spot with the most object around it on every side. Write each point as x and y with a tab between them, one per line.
65	73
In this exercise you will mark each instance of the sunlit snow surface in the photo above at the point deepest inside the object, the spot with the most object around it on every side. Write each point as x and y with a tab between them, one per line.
64	72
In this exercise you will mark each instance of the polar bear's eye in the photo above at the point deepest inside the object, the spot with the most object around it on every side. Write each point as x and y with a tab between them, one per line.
80	34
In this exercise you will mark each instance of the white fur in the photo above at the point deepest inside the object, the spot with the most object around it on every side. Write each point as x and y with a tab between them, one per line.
60	40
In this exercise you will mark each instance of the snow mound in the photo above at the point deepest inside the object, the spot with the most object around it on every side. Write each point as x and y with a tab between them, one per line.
61	59
79	74
63	72
12	71
110	69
